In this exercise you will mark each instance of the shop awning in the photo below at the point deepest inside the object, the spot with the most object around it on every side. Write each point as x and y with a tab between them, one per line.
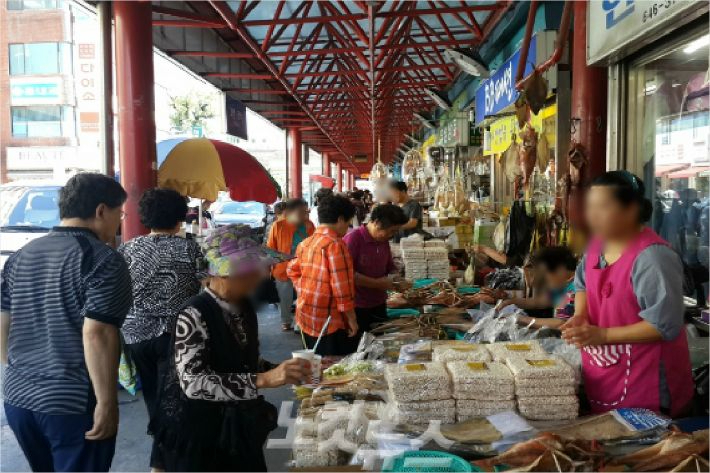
663	169
693	171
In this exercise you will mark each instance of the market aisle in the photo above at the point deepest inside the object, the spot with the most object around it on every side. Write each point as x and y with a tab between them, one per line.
133	447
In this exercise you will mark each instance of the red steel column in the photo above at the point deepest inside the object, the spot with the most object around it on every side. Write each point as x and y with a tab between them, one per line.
136	123
589	102
295	163
338	177
326	164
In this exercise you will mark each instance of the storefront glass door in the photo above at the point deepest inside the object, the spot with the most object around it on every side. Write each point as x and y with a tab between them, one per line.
668	138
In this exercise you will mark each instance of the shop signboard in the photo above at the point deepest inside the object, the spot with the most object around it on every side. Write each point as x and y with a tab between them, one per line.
236	113
47	90
86	77
614	25
502	130
498	91
50	158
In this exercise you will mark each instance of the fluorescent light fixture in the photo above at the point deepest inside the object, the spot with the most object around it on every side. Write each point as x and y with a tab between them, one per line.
424	121
697	44
439	98
469	62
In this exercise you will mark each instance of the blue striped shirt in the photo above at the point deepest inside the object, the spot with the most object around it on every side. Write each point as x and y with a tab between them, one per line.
48	287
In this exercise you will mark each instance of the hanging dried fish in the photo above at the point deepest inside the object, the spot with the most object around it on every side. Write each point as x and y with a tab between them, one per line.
543	151
528	153
521	109
510	161
535	88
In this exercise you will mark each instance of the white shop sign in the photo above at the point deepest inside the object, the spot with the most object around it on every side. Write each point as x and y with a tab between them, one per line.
39	158
612	25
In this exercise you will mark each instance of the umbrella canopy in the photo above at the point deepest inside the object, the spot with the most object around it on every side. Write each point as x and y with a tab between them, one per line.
200	167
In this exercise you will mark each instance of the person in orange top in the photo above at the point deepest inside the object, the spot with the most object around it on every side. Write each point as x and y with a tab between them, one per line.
322	273
284	236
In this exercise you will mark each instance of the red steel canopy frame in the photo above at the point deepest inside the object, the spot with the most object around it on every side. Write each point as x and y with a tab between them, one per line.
347	74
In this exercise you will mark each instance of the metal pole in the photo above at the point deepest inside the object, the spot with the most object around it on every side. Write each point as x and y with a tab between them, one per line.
287	185
588	99
136	124
295	163
106	143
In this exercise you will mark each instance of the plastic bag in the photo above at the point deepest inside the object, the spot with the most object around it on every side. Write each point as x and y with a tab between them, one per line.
127	374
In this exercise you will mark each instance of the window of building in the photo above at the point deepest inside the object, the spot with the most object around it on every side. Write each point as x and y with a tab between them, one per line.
33	4
42	121
668	139
39	58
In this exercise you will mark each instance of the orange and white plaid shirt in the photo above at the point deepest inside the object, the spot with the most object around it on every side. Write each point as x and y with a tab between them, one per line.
323	276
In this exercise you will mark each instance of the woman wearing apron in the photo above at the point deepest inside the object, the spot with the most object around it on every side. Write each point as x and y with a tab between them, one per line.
629	305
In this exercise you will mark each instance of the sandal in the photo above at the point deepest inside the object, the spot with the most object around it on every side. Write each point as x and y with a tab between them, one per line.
286	327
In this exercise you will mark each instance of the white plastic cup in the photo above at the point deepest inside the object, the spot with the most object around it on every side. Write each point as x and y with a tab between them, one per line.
308	355
316	369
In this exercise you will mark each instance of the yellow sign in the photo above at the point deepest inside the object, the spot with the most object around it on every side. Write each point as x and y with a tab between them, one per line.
477	365
501	130
431	141
518	347
541	363
415	367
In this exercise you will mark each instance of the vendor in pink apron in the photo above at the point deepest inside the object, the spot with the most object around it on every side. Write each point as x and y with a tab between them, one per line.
629	305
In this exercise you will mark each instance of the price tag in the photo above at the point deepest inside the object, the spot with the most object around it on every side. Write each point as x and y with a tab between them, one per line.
541	363
415	367
477	365
518	347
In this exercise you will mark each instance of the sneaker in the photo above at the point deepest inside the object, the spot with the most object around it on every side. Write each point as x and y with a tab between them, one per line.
286	327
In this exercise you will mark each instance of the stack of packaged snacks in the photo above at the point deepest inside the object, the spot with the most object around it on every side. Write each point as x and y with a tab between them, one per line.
459	351
501	351
544	387
419	393
481	388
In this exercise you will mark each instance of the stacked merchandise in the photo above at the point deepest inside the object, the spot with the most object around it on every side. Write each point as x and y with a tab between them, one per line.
419	393
459	351
503	350
396	251
414	257
437	258
544	386
481	388
311	447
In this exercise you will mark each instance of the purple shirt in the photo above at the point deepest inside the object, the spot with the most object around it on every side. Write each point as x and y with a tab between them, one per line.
372	259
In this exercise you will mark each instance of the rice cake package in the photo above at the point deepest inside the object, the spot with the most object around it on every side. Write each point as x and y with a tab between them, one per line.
501	392
306	453
541	367
501	351
549	407
435	244
424	406
546	390
469	408
418	381
423	417
480	373
460	351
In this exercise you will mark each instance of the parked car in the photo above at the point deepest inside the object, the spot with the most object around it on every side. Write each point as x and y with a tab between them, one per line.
248	213
28	210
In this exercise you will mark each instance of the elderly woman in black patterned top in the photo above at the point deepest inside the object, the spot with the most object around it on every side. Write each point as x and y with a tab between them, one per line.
164	271
210	414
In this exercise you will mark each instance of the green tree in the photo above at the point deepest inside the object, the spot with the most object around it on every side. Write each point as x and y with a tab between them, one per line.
190	111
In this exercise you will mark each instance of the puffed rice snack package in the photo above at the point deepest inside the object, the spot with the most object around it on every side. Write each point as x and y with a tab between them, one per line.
418	381
501	351
541	367
459	351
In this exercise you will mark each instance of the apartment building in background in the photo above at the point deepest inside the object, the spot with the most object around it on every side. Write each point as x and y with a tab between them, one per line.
49	96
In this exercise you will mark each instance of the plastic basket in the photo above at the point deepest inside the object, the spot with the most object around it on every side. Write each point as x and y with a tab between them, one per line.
426	461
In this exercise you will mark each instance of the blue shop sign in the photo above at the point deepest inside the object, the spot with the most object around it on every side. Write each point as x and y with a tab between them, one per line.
498	91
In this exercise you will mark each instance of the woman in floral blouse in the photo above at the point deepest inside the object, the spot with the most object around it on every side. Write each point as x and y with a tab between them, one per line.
210	414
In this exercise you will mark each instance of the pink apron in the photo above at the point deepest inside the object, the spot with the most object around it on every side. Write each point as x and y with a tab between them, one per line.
627	375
